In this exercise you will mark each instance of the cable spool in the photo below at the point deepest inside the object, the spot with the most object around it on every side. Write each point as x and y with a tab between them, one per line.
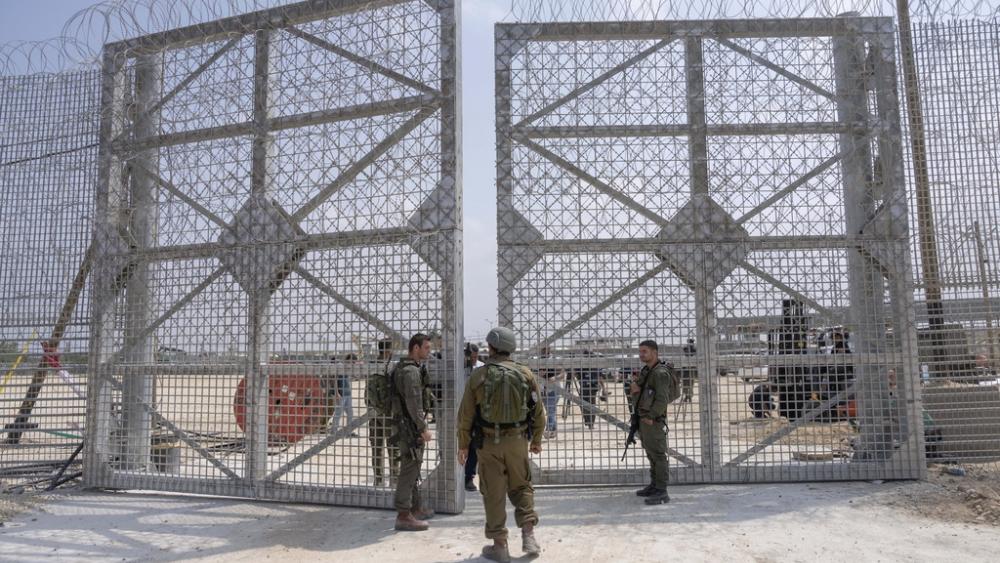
297	406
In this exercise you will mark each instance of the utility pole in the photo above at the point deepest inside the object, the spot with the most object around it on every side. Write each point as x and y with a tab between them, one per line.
921	177
982	260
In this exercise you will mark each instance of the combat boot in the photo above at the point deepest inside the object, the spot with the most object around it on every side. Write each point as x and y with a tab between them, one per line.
424	514
497	552
658	496
646	491
529	545
405	522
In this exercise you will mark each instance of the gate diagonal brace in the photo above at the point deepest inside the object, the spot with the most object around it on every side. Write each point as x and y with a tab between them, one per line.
177	431
322	445
792	427
612	420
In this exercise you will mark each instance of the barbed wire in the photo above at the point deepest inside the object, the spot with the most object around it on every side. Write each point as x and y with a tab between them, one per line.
85	33
603	10
598	10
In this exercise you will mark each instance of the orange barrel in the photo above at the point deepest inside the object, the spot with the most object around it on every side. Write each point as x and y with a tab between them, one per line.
297	406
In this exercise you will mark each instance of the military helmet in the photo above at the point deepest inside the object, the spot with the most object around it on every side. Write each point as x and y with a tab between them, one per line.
503	339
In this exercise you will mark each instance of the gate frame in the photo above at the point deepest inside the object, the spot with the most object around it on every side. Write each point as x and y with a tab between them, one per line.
436	237
881	239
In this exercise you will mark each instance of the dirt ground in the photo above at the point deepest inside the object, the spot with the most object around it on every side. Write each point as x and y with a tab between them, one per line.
944	518
973	498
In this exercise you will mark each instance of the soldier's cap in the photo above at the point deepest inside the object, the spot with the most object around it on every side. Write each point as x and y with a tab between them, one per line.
503	339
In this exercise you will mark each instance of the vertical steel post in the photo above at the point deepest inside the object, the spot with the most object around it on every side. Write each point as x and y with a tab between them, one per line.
865	282
909	462
705	321
257	352
447	486
137	385
104	290
921	179
506	48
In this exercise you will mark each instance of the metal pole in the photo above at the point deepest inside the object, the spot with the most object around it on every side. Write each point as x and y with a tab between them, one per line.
865	282
982	260
921	176
257	376
137	388
708	391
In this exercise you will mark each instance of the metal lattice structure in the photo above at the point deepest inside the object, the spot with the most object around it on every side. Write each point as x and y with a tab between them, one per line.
48	155
277	191
186	166
717	180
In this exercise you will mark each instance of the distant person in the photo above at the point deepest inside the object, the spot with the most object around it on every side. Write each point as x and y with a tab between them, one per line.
471	363
688	373
551	378
345	404
378	397
589	378
760	401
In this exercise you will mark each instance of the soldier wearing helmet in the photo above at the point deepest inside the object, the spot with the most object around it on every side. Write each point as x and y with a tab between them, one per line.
501	401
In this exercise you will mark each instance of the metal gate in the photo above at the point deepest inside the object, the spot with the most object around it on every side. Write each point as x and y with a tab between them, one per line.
278	191
734	190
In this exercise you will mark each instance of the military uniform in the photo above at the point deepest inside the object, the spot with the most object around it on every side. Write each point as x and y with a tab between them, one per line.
380	429
652	405
503	460
409	423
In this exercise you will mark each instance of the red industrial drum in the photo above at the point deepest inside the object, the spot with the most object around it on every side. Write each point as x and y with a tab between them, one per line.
297	406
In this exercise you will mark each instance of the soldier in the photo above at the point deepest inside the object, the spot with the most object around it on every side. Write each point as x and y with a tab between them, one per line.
409	418
590	383
501	400
471	363
380	425
688	373
657	385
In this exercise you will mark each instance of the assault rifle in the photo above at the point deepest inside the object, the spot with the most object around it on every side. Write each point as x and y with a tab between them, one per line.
633	425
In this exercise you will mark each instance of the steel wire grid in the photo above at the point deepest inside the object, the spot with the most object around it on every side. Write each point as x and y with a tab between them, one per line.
48	156
732	182
277	192
959	68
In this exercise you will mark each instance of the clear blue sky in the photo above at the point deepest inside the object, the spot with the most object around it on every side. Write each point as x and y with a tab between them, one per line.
34	20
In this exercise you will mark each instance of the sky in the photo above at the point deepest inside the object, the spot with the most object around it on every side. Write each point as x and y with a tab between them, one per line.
36	20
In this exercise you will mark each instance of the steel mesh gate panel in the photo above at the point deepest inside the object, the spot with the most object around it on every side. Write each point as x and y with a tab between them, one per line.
278	191
48	163
735	183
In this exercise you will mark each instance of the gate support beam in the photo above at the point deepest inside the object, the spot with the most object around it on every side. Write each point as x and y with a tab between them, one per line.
866	286
708	402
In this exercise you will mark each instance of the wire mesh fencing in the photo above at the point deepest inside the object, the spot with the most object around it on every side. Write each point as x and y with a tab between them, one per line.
48	159
957	312
261	217
273	194
733	190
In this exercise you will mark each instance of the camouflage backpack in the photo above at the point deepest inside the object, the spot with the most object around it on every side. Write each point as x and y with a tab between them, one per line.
378	392
673	384
505	396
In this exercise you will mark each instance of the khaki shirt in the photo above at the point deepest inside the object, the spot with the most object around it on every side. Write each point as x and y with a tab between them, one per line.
653	402
474	392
